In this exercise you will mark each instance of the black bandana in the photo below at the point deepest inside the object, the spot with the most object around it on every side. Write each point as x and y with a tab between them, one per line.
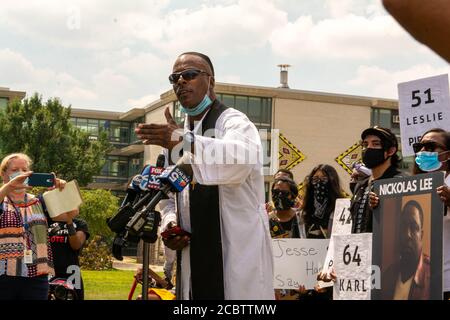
320	189
281	200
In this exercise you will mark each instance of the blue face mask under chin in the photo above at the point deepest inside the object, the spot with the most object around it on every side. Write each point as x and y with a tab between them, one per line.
202	106
428	161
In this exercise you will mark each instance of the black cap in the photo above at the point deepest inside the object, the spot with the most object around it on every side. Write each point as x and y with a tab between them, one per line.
384	134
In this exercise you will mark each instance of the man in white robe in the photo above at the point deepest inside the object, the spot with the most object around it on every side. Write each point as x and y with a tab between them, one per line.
229	252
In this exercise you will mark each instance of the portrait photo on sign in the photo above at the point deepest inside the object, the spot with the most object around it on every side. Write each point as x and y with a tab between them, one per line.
407	247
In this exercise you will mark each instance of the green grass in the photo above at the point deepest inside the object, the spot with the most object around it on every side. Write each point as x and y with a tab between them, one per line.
108	285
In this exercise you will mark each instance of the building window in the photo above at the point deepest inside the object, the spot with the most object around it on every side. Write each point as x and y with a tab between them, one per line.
3	103
115	166
118	131
178	115
133	137
257	109
136	164
92	127
388	118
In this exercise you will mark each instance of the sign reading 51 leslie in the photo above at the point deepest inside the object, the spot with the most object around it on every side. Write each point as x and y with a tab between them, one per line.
423	104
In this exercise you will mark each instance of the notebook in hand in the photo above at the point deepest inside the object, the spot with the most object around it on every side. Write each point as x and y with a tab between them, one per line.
58	202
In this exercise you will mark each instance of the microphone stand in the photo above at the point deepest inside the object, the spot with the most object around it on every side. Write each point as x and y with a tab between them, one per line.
146	256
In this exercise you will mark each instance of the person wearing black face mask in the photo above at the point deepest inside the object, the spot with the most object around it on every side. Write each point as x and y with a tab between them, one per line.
380	148
284	219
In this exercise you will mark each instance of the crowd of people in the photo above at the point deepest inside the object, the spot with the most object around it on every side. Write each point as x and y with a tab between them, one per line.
227	253
226	250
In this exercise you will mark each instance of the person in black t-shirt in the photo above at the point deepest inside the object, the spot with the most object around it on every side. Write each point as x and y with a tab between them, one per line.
67	237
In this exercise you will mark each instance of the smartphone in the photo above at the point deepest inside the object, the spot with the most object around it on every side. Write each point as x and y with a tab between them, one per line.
41	180
173	232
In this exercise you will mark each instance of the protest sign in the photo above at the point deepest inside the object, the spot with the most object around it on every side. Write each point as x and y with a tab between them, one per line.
423	104
342	224
297	262
407	238
352	264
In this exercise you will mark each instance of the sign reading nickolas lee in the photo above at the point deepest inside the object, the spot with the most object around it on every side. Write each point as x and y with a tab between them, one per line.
407	238
423	104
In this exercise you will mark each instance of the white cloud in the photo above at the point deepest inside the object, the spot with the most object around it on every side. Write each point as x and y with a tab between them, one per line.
379	82
230	78
340	8
123	51
345	37
20	74
97	24
216	30
142	101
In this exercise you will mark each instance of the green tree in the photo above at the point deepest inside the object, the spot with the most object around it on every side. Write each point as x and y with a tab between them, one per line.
98	205
45	133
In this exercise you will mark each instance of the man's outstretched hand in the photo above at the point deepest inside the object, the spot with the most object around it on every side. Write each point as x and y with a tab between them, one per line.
165	135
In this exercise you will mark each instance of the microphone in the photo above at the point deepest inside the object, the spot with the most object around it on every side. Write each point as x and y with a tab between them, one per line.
153	182
132	190
135	199
173	179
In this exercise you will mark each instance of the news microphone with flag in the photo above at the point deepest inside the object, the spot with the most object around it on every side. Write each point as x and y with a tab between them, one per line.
173	179
138	196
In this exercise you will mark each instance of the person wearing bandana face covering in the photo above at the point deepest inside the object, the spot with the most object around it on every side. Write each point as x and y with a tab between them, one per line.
322	188
432	153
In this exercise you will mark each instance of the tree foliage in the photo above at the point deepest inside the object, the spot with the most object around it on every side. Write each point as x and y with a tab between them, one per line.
44	132
98	205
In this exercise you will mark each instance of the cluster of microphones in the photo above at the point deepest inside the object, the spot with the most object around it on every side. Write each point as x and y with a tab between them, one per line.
137	218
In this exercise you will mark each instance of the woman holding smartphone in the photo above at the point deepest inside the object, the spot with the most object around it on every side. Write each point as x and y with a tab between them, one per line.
25	253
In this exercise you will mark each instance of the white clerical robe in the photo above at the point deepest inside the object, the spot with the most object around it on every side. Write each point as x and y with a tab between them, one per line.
235	165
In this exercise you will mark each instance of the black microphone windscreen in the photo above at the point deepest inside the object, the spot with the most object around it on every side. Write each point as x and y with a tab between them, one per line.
161	161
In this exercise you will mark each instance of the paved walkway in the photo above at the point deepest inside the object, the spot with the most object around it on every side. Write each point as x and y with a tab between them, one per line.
130	264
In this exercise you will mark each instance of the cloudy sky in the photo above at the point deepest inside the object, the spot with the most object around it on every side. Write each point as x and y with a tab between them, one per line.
115	55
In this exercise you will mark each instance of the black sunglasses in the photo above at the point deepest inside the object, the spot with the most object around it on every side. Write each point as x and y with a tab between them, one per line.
428	146
186	74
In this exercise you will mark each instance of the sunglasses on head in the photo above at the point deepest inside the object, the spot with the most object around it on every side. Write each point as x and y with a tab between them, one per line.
186	74
428	146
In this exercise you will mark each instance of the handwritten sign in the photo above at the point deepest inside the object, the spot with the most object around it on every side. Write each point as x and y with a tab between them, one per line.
342	224
297	262
353	266
423	104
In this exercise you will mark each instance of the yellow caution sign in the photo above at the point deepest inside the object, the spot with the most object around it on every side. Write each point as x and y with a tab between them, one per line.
288	155
351	156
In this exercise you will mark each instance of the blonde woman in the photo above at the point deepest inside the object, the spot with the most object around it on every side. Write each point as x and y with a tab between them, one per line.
25	253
